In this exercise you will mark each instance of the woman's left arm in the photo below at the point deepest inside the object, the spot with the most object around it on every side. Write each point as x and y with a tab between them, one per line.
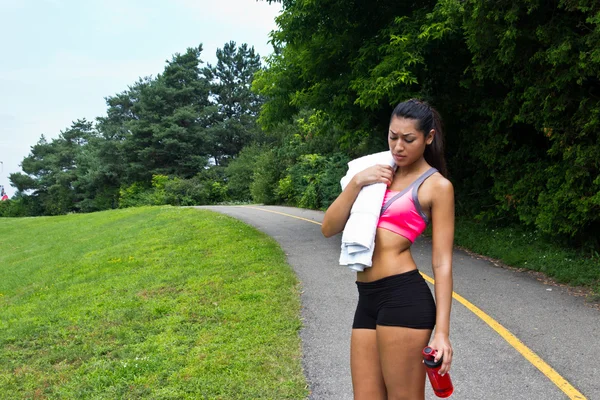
442	217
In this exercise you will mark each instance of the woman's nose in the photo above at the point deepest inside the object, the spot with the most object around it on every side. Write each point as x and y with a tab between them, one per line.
399	145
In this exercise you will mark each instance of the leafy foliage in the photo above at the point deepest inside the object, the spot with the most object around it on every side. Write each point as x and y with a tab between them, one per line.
204	188
239	172
517	82
233	125
165	119
56	166
545	60
162	141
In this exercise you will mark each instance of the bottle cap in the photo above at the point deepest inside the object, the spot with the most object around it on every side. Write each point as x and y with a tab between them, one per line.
429	357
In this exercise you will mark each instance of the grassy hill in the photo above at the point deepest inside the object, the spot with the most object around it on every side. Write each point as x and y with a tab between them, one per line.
160	303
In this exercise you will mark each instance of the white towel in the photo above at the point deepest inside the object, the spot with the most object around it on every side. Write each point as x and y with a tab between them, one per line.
358	239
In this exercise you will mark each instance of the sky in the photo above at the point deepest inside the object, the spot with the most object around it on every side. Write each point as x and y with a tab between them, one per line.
60	59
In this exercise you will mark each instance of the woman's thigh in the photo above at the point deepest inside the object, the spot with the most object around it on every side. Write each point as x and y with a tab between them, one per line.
367	378
401	361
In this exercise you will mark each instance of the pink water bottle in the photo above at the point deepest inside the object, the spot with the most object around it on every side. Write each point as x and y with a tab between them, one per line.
442	385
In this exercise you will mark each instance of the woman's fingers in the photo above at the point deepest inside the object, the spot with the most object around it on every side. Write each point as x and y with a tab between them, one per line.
389	173
386	174
443	351
377	174
447	360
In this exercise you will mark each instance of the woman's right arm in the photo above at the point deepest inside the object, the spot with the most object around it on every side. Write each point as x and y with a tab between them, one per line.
339	211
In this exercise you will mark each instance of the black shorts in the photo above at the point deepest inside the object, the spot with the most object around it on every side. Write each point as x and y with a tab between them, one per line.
397	300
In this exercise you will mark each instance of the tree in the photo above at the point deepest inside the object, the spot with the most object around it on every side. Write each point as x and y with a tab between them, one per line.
52	169
542	128
162	121
518	83
233	121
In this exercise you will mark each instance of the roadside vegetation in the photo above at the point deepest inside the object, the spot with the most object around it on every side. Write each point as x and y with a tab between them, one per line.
516	82
149	302
522	248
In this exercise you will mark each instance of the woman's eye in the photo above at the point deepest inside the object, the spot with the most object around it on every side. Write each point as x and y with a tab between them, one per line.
409	141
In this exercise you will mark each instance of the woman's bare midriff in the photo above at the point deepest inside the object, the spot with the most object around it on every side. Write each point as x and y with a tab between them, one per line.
391	257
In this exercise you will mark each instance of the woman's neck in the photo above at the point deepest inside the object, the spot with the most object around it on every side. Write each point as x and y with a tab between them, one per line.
414	168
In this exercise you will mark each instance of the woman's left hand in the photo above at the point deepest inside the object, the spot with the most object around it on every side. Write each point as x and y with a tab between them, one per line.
441	343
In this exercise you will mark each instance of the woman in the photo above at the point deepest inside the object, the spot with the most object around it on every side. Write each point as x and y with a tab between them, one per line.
396	313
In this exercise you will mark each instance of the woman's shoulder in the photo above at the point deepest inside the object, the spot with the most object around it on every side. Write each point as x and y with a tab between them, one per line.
439	186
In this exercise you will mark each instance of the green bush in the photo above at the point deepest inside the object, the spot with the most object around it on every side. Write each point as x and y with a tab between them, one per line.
239	173
335	169
205	188
314	181
310	197
305	178
159	195
13	208
265	178
136	195
297	168
286	190
213	180
185	192
217	192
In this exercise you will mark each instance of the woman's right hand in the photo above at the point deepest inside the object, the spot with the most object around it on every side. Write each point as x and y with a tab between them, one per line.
338	212
376	174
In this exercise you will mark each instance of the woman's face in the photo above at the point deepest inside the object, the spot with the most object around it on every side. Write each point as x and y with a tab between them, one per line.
406	142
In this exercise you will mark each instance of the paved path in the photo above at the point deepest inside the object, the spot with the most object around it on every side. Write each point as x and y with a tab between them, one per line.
555	325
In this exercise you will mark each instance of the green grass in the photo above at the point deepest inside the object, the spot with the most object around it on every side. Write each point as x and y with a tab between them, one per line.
152	303
526	249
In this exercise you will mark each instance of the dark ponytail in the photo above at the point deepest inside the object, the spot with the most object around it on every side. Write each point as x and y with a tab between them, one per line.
427	119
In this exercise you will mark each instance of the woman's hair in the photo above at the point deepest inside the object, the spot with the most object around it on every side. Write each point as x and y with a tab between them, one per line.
427	119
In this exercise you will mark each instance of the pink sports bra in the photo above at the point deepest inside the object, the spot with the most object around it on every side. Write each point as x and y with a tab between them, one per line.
401	212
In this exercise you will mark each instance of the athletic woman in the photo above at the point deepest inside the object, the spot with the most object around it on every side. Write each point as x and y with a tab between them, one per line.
396	312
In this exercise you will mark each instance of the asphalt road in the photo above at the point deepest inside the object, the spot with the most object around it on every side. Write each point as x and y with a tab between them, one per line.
560	328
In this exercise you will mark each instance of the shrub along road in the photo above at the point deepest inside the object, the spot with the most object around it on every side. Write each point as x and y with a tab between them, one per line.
514	337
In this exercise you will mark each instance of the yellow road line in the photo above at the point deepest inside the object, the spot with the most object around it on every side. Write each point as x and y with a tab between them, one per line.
280	213
525	351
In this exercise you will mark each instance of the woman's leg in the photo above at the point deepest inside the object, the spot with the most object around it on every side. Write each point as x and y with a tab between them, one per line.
401	361
367	379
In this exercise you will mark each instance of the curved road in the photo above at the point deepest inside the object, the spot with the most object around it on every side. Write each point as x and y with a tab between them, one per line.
539	341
